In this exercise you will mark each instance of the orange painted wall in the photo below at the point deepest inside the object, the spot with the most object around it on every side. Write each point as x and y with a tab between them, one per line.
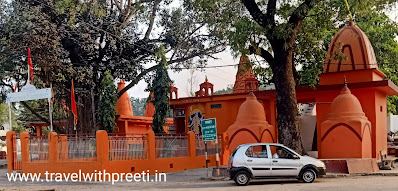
55	165
350	76
226	115
371	100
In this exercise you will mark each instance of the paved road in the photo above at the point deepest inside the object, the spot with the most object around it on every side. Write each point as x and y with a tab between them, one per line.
190	180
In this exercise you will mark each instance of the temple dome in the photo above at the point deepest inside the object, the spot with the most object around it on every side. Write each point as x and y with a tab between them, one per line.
356	47
123	104
251	110
346	105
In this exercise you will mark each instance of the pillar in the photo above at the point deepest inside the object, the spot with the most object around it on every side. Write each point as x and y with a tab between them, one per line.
10	150
191	144
63	139
224	148
24	136
52	147
102	146
151	147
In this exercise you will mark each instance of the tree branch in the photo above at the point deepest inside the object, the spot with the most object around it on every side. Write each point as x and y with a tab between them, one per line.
152	19
195	54
266	20
298	16
254	49
137	79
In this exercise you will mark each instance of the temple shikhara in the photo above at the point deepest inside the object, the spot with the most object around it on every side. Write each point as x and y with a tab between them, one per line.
343	121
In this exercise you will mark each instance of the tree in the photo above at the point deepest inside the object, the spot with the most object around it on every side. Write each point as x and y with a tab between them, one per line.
107	103
80	40
161	91
278	33
228	90
138	105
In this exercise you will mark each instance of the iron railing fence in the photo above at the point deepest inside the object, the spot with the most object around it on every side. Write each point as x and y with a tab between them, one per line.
128	147
171	145
211	146
38	148
79	147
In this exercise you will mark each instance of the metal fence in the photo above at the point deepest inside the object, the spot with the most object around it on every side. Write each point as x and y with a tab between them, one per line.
211	146
78	147
171	145
38	149
128	147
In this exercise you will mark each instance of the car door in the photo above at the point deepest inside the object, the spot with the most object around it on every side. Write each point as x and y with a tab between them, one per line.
287	164
257	160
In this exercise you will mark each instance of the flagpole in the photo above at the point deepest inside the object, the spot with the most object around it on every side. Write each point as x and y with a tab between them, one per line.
29	57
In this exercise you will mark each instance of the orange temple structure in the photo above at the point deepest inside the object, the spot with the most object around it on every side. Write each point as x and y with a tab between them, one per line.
127	123
363	100
349	130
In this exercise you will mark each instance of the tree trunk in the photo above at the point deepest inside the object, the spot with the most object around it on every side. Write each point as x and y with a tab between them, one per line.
286	103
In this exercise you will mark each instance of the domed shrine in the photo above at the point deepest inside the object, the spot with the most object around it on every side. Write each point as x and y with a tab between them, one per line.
347	131
251	125
335	118
351	57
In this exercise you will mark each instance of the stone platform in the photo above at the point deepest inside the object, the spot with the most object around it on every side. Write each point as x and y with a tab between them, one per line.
351	166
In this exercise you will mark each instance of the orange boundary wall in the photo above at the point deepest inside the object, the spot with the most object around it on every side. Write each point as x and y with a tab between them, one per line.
54	165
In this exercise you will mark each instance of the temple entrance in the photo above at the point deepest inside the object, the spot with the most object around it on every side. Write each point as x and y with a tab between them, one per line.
307	112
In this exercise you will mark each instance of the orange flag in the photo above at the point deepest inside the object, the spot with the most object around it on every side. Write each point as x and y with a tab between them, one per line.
73	103
30	66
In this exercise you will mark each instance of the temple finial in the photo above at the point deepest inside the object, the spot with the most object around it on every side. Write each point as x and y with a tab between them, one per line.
345	81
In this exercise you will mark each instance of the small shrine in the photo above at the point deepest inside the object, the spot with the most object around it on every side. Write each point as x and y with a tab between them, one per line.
251	125
347	131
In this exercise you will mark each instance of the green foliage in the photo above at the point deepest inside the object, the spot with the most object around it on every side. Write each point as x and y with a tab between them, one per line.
80	40
18	128
138	105
4	116
228	90
161	91
107	103
3	113
233	22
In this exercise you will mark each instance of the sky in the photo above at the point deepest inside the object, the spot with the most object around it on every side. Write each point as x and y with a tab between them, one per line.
219	77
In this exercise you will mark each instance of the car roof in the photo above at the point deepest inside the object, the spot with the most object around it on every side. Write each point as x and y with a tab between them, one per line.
251	144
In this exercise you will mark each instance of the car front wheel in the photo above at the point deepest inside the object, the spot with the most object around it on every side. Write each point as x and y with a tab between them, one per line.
242	178
308	176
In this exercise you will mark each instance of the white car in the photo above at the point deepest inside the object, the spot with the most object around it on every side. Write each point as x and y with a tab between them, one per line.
271	160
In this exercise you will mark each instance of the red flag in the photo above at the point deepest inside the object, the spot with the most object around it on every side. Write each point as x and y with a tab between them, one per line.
30	65
16	88
73	103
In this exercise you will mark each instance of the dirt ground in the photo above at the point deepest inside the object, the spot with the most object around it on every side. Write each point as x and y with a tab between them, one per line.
191	180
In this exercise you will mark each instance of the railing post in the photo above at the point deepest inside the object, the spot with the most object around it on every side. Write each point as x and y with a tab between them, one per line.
52	147
151	145
191	144
10	150
225	148
63	139
102	146
24	137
